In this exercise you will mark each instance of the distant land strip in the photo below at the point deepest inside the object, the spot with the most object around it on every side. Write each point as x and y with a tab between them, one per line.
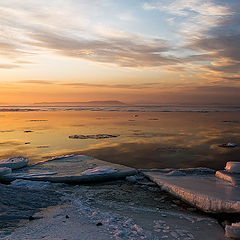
92	103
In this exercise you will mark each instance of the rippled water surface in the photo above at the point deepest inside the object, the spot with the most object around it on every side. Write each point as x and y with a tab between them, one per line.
146	139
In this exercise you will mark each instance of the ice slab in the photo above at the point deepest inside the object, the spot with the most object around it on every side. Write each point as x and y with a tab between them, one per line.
233	167
233	231
4	171
30	184
14	163
233	178
99	170
73	169
228	145
203	191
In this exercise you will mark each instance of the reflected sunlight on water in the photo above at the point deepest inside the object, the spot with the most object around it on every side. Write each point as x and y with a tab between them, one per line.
146	140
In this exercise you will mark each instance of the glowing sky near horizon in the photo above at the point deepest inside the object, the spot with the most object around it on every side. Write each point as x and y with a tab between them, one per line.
135	51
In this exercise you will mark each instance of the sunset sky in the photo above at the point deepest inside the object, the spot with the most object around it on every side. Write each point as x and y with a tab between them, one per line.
135	51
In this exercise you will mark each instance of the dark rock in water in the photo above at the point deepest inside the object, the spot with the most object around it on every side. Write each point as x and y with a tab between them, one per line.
99	224
97	136
31	218
67	216
230	121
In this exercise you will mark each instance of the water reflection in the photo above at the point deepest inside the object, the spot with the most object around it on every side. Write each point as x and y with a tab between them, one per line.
152	140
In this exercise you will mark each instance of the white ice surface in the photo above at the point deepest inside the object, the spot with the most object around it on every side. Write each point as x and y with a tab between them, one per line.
73	169
4	171
99	170
14	163
132	223
233	178
233	167
231	144
206	192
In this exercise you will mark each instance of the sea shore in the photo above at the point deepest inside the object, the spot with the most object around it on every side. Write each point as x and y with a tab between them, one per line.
126	209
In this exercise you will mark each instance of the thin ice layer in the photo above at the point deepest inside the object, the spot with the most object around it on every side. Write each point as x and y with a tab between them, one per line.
4	171
14	163
206	192
30	184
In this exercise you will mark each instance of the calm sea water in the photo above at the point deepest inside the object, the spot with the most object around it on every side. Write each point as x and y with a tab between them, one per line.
149	137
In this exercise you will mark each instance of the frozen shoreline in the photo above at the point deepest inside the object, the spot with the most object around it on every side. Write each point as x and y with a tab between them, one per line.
116	210
80	197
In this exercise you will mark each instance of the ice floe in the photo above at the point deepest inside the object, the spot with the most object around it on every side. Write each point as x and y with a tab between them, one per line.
14	163
233	178
203	190
233	231
97	136
232	173
233	167
73	169
228	145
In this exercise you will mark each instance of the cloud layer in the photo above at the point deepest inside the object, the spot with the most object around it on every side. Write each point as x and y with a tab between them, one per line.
189	44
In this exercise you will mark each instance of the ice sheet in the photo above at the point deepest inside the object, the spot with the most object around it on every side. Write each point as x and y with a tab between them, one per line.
73	169
118	221
206	192
99	170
